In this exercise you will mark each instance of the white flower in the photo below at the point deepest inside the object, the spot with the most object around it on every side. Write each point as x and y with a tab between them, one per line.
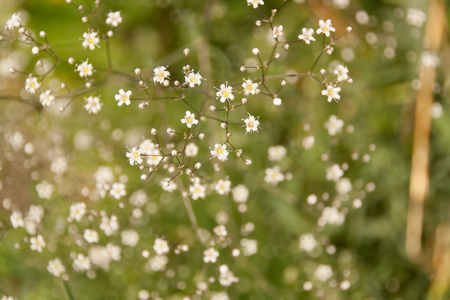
273	175
277	153
85	68
109	225
134	156
123	97
114	19
325	27
251	124
93	105
77	211
307	242
46	98
332	92
277	31
14	21
191	150
90	40
36	213
307	35
81	263
249	247
250	87
334	172
157	263
226	278
308	142
334	125
147	147
220	295
59	165
16	219
210	255
138	198
37	243
44	190
225	93
91	236
255	3
168	185
193	79
323	272
32	84
55	267
415	17
130	238
343	186
240	193
342	73
220	151
189	119
220	231
154	157
161	246
197	190
160	75
223	187
118	190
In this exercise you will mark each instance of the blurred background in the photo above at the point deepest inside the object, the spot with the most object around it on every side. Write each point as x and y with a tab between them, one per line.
392	62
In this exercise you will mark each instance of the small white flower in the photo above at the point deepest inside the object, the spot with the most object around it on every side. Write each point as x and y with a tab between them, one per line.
220	151
46	98
193	79
225	93
223	187
415	17
14	21
250	87
90	40
91	236
168	185
277	31
123	97
81	263
161	246
77	211
114	19
32	84
251	124
130	238
85	69
210	255
240	193
343	186
56	268
134	156
255	3
342	73
220	231
273	175
37	243
93	105
157	263
109	225
307	242
160	75
323	272
118	190
332	92
189	119
249	247
191	150
17	219
277	153
334	125
197	190
44	190
334	172
325	27
307	35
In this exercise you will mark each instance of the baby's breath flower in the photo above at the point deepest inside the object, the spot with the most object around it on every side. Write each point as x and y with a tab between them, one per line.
193	79
197	190
251	124
334	125
17	219
46	98
332	92
307	35
123	97
307	242
93	104
85	69
255	3
129	237
189	119
334	172
250	87
160	75
273	175
225	93
81	263
276	153
118	190
210	255
191	150
277	31
249	247
220	151
91	236
56	268
90	40
323	272
325	27
222	187
77	211
14	21
134	156
114	19
32	84
342	73
161	246
37	243
44	190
